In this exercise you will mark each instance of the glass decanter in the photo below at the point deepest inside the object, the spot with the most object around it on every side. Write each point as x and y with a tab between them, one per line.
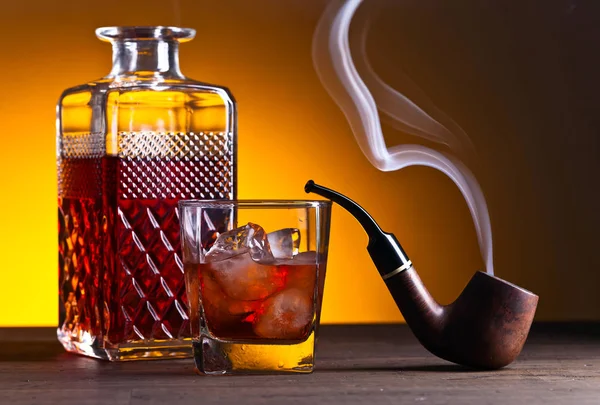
129	147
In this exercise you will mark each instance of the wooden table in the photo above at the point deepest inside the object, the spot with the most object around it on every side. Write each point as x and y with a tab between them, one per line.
355	365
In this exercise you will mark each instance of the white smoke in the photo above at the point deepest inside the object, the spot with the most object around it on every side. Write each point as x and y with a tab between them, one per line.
402	113
336	69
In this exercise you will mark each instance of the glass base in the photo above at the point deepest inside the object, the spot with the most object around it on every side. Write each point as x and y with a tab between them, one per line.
215	357
89	346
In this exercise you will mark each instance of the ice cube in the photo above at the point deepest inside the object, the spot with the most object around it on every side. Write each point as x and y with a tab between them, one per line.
237	307
212	298
309	257
285	315
284	243
219	310
302	272
242	278
248	238
243	265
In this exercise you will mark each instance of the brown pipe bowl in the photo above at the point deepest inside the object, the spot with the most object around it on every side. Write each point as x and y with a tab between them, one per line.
487	326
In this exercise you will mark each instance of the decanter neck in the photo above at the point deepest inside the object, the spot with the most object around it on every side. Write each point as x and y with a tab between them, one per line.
146	58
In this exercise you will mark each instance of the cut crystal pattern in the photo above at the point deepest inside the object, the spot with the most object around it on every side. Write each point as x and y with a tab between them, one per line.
176	165
150	272
82	145
80	265
80	153
120	269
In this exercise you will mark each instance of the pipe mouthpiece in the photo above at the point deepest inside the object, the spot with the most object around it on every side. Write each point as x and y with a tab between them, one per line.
353	208
309	186
385	250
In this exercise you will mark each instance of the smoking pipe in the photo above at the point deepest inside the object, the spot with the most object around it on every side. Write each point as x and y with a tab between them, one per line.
486	327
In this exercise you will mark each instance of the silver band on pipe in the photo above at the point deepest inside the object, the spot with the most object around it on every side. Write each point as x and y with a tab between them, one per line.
400	269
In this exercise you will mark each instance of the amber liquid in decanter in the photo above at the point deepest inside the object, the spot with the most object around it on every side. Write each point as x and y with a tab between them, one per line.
130	146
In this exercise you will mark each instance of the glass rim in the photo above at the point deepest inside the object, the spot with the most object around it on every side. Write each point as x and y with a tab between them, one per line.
255	203
140	33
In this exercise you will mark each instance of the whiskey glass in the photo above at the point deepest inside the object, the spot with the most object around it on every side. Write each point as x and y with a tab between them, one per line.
254	283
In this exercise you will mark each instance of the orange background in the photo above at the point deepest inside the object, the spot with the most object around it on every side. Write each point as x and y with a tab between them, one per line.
502	74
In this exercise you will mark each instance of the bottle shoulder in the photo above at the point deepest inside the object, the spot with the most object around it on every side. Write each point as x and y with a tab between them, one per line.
128	86
196	84
134	104
177	85
82	93
143	83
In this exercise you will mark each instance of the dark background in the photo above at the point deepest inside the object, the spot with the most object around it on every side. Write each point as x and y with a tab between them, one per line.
521	78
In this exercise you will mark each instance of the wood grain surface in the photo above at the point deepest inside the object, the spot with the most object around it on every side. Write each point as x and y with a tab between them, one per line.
372	365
